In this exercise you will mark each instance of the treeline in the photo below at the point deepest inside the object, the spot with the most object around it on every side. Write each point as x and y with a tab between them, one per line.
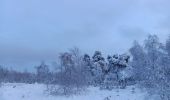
75	71
147	65
13	76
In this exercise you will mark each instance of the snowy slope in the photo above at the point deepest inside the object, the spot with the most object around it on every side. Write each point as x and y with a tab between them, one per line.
36	92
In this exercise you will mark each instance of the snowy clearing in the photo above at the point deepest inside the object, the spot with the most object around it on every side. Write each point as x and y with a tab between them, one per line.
17	91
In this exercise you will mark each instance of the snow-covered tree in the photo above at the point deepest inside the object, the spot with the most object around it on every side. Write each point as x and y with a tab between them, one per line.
88	66
112	76
154	53
71	76
3	74
139	61
98	68
87	60
42	73
155	61
119	70
168	46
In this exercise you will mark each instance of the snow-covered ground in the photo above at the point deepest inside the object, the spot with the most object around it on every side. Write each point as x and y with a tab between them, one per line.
36	92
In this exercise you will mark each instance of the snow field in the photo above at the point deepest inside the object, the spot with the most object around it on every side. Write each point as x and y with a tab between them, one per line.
15	91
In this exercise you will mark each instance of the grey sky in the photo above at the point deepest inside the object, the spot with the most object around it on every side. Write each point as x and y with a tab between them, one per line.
35	30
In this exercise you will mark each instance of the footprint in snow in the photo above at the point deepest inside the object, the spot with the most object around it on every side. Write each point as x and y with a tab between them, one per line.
107	98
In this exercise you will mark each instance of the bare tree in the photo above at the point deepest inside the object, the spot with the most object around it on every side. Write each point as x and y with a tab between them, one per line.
71	77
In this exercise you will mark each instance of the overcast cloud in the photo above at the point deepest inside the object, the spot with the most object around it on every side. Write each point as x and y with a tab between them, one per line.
35	30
